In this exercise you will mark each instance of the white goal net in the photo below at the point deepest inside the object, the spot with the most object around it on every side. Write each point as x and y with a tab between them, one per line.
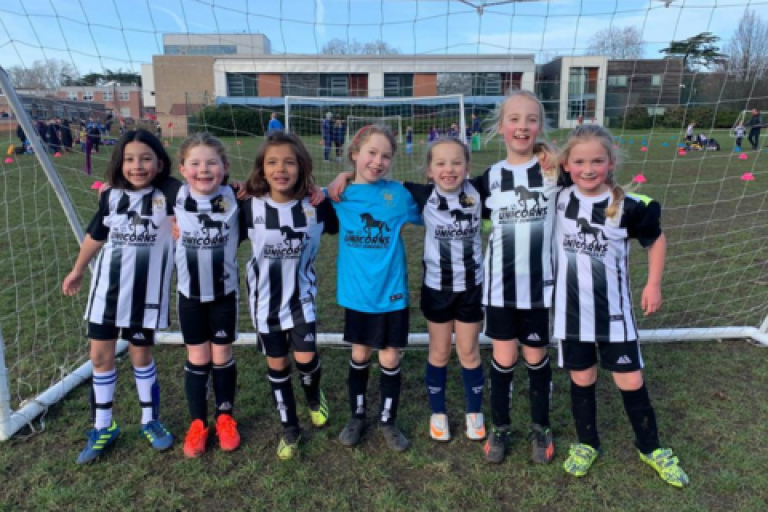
425	69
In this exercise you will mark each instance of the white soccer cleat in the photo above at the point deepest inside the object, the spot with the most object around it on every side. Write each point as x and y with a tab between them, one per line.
438	428
476	426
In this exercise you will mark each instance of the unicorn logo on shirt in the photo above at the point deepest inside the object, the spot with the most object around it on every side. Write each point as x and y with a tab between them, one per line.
369	224
525	195
460	216
137	220
585	228
208	224
289	236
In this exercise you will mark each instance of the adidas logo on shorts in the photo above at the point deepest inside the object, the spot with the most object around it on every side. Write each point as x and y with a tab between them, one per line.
309	338
138	337
533	337
624	360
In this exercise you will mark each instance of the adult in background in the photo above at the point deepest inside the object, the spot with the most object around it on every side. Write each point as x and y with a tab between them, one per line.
326	130
274	124
66	135
54	137
339	134
755	123
22	136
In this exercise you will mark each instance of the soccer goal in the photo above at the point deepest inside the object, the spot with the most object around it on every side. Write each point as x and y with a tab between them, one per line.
448	64
409	118
395	123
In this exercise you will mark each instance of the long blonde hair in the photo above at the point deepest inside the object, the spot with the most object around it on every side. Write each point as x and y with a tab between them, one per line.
588	132
494	121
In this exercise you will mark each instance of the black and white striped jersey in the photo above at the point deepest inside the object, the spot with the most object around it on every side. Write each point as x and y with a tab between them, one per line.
592	296
206	251
130	285
518	261
453	253
280	276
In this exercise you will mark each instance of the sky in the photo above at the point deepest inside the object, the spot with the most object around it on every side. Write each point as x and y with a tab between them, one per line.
122	34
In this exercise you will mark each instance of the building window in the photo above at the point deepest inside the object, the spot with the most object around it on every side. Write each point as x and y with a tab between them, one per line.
242	84
124	96
656	80
617	81
199	49
333	85
72	96
88	96
398	85
107	96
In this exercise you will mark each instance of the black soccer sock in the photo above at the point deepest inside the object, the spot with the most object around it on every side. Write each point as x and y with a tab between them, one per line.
310	375
196	389
224	387
282	394
501	378
389	388
540	379
584	409
643	419
357	384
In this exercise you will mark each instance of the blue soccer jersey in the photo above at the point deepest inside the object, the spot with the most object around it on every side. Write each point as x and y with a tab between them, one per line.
372	271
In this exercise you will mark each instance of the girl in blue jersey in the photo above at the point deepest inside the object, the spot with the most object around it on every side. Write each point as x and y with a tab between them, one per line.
593	306
130	286
373	279
284	229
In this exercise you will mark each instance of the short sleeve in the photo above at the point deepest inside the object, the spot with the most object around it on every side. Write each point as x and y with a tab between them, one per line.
481	185
643	216
96	228
327	214
245	218
413	213
420	193
170	189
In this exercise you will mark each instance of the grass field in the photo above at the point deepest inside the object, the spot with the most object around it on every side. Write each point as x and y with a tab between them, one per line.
710	397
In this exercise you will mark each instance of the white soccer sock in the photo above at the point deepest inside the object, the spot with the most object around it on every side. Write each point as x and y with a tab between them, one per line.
146	386
104	384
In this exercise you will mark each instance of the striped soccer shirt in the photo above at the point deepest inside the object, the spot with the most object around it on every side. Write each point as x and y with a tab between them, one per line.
130	286
453	253
593	302
206	251
518	261
281	279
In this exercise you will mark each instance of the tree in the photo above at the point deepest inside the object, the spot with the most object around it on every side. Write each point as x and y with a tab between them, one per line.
617	43
341	47
43	74
747	50
119	76
699	50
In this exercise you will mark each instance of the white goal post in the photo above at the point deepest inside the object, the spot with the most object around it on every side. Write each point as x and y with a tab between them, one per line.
304	114
395	123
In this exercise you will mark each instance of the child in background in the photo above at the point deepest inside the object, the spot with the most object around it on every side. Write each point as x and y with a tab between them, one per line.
208	286
739	132
408	140
130	286
518	280
373	279
284	229
593	305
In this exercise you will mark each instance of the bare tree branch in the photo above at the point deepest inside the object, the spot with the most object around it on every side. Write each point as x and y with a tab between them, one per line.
617	43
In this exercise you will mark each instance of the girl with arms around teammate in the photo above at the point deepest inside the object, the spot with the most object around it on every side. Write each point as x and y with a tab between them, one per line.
518	280
451	292
373	279
130	286
284	229
206	268
593	305
452	288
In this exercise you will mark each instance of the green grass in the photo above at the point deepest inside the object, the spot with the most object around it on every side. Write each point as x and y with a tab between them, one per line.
709	396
